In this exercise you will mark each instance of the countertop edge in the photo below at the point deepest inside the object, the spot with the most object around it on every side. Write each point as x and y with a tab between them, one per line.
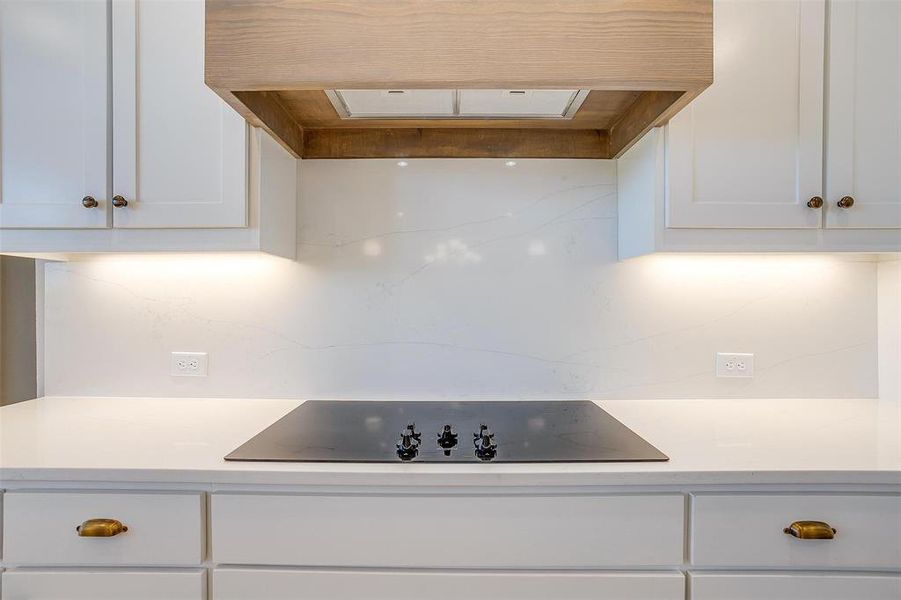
16	477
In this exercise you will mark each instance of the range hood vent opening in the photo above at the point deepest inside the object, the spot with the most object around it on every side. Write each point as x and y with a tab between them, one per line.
456	104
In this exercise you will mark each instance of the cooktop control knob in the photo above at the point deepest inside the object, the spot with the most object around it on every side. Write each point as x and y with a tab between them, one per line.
486	449
447	439
408	446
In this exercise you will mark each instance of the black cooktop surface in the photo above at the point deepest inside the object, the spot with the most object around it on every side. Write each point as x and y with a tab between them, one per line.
447	432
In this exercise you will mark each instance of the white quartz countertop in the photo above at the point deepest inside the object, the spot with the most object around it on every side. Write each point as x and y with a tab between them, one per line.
709	442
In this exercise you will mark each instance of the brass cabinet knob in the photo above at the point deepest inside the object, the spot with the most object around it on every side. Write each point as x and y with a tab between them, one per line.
810	530
89	202
119	202
815	202
100	528
846	202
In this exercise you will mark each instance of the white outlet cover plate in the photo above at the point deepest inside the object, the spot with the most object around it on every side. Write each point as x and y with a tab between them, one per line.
734	364
188	364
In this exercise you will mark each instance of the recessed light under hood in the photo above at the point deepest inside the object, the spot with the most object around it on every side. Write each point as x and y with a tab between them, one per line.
458	78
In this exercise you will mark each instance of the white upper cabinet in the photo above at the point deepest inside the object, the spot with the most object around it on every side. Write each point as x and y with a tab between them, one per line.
53	113
179	152
178	156
863	149
748	152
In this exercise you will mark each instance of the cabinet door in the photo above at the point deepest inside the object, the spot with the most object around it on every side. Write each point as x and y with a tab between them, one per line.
747	153
863	150
103	585
179	152
53	112
794	586
284	584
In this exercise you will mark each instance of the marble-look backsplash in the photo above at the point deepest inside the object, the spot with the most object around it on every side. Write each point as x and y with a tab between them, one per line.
461	279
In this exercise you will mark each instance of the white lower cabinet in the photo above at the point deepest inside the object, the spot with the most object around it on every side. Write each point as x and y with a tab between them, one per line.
39	528
449	531
278	584
104	585
794	586
747	531
430	544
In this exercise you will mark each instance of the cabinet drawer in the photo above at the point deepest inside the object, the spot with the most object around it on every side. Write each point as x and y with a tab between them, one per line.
794	586
163	529
464	531
109	585
747	531
273	584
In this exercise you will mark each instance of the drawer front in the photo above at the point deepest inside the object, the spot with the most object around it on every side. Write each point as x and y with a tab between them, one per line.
747	531
163	529
119	585
791	586
273	584
448	531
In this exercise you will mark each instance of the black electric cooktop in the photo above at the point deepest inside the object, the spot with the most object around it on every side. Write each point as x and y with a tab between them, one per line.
447	432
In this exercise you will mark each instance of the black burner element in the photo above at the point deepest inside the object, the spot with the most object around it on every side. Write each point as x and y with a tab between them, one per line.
526	431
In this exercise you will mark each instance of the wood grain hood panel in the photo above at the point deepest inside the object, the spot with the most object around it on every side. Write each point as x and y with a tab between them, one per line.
642	61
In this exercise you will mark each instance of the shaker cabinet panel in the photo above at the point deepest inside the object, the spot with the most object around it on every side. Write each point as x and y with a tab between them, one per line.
40	529
277	584
747	153
179	152
467	531
104	585
748	531
863	147
794	586
53	113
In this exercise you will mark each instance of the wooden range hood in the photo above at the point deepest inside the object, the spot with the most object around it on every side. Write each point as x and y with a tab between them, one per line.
636	62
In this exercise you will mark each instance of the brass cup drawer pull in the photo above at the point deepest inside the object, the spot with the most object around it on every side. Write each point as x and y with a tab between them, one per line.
810	530
101	528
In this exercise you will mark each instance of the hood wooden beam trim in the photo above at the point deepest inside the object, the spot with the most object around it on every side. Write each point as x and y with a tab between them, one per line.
455	143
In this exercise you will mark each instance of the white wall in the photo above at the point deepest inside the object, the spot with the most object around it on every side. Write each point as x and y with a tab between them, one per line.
461	278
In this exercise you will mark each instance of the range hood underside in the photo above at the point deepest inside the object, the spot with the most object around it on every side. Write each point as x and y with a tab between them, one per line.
276	63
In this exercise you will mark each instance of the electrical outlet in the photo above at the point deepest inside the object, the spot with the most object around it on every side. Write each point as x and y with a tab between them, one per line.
734	364
188	364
